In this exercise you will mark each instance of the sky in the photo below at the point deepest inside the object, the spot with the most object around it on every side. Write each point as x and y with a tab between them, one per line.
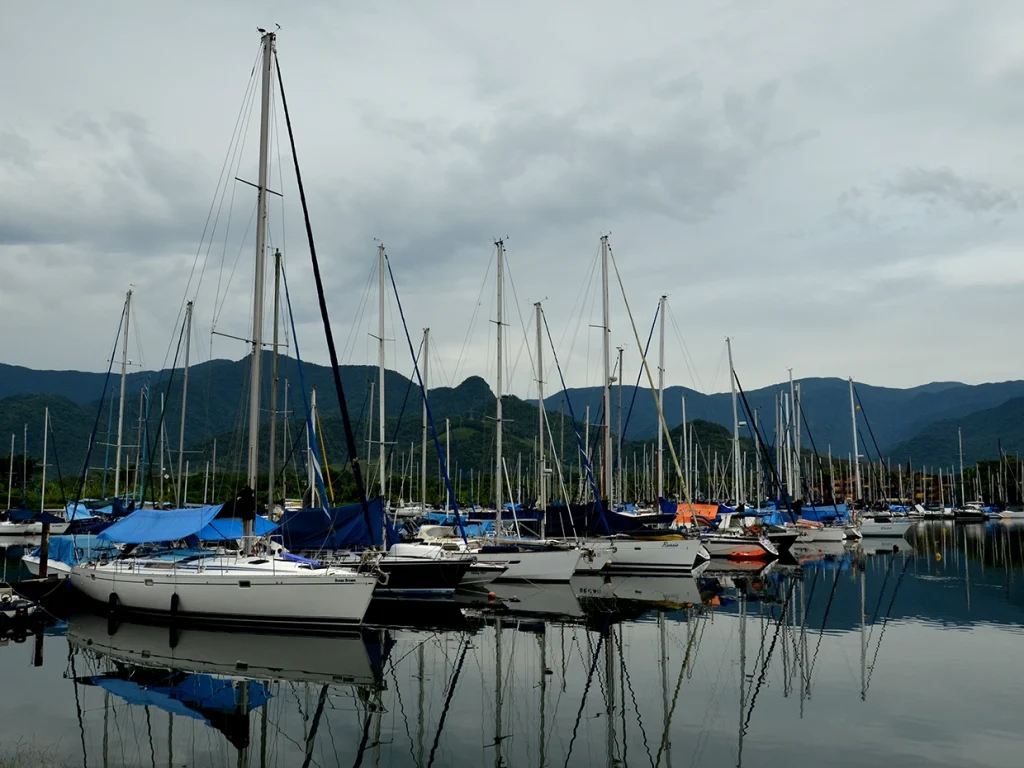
836	186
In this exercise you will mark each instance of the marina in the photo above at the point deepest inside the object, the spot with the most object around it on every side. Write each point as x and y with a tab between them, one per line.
837	660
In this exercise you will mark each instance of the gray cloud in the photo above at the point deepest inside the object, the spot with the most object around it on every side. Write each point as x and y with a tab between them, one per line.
804	192
942	187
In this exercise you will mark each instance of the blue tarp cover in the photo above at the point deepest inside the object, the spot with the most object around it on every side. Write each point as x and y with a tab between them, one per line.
230	528
72	550
184	697
334	527
148	525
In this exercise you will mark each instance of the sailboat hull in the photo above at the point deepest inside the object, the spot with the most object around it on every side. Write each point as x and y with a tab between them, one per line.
554	565
248	591
651	556
885	527
739	547
30	528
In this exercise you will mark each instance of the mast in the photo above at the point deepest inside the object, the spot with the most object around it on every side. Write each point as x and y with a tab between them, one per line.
120	408
963	488
272	455
184	401
606	450
380	370
856	453
498	476
46	430
10	473
423	436
735	427
621	495
686	453
661	394
542	503
163	448
797	411
255	377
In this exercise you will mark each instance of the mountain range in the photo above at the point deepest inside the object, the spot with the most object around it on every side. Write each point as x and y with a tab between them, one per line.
919	424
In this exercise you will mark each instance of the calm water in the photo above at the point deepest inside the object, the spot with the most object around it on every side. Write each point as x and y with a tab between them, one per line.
853	657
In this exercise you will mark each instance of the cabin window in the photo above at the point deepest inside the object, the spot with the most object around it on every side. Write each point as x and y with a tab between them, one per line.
244	584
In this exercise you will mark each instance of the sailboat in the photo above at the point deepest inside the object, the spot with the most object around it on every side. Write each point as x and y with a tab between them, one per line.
261	584
26	522
533	560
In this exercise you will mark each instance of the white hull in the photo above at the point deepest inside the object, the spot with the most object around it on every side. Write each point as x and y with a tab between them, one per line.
54	569
30	529
895	527
295	658
232	590
822	535
556	565
651	556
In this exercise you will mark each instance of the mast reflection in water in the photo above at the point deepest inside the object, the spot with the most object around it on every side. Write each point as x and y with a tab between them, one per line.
896	649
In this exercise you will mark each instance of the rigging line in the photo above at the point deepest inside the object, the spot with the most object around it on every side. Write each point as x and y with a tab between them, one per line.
575	426
679	684
316	724
768	658
99	410
881	594
390	450
768	461
522	324
718	369
220	301
639	373
586	690
305	397
817	456
323	452
864	413
473	319
426	403
350	439
636	708
691	366
148	476
349	347
663	425
56	460
821	632
885	621
448	701
401	709
581	297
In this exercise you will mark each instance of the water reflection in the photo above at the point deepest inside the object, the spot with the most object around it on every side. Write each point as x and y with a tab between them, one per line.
891	649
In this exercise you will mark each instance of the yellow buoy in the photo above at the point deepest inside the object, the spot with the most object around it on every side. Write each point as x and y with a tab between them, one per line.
938	557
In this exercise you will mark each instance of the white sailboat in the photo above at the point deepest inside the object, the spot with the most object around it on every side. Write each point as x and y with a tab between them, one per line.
270	587
534	560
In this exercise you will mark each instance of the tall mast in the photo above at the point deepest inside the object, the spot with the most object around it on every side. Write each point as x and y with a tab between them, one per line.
661	394
380	369
542	502
606	450
272	456
621	491
735	427
310	442
255	370
162	448
856	456
499	477
120	408
46	430
10	473
184	402
963	488
797	411
686	454
423	436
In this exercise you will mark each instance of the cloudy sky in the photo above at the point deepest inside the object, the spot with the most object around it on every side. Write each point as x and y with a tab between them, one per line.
834	185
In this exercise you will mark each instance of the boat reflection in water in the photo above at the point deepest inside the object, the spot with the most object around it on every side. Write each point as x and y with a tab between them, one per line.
742	665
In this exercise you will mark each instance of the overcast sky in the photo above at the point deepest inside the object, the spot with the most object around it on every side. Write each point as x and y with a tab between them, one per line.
834	185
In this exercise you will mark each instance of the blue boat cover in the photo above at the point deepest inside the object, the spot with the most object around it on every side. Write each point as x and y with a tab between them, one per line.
149	525
335	527
230	528
193	696
73	550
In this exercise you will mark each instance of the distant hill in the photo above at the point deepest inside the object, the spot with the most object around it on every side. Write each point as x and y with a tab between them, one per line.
937	444
894	415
